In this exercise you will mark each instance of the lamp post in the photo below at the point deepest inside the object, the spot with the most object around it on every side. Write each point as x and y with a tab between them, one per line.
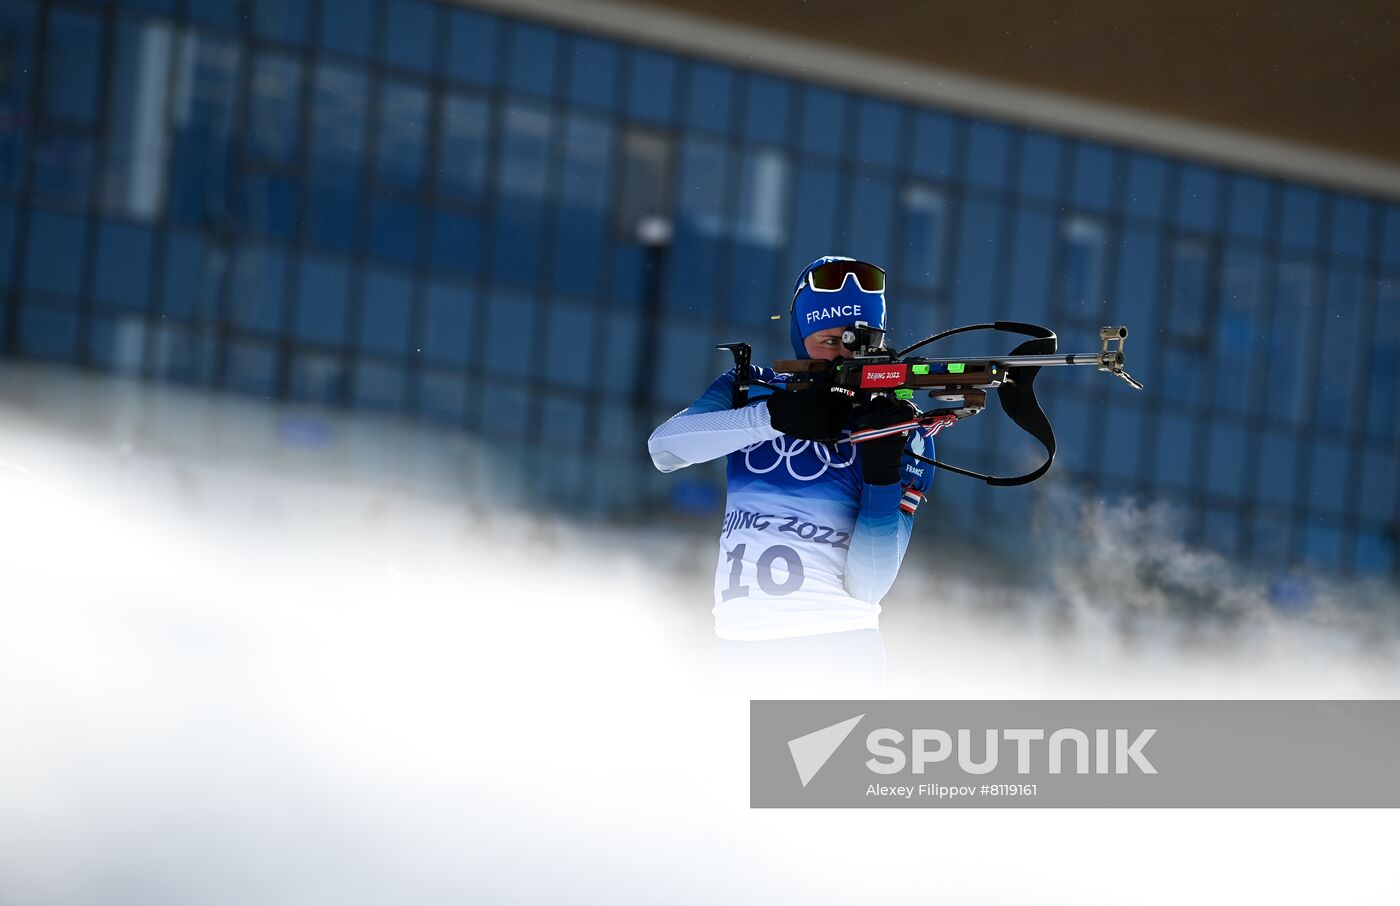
655	234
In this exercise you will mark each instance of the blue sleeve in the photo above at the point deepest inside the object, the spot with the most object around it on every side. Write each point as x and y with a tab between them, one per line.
719	396
710	427
883	528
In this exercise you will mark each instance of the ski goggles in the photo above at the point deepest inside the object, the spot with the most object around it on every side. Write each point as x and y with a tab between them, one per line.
831	276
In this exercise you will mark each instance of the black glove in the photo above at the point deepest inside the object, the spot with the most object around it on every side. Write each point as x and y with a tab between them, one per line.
882	458
817	413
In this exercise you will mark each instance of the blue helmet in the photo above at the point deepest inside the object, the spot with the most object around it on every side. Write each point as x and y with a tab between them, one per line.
813	311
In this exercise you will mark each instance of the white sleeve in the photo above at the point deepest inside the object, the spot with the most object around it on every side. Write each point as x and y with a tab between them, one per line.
687	438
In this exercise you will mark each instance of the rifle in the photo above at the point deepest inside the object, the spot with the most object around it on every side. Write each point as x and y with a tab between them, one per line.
873	370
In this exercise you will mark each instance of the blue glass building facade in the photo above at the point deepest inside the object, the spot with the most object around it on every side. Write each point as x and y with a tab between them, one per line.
423	208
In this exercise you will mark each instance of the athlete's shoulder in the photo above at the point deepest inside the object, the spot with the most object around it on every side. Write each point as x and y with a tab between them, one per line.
756	373
720	394
726	381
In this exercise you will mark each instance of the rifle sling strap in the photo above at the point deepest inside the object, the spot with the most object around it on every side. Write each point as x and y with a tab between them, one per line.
1017	395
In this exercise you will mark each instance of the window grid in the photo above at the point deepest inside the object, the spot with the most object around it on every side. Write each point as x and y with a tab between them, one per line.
1331	246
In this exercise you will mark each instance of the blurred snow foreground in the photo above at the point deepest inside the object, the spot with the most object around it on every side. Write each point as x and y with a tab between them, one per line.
252	654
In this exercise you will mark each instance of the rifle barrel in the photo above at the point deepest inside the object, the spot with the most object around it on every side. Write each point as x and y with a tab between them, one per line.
1078	358
1017	361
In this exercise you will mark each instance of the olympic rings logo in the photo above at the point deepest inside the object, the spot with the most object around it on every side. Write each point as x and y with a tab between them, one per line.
787	449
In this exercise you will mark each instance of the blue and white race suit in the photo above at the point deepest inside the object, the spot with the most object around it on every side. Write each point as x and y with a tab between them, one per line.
807	547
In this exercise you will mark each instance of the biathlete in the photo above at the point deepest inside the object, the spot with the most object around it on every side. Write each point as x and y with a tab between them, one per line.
815	527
